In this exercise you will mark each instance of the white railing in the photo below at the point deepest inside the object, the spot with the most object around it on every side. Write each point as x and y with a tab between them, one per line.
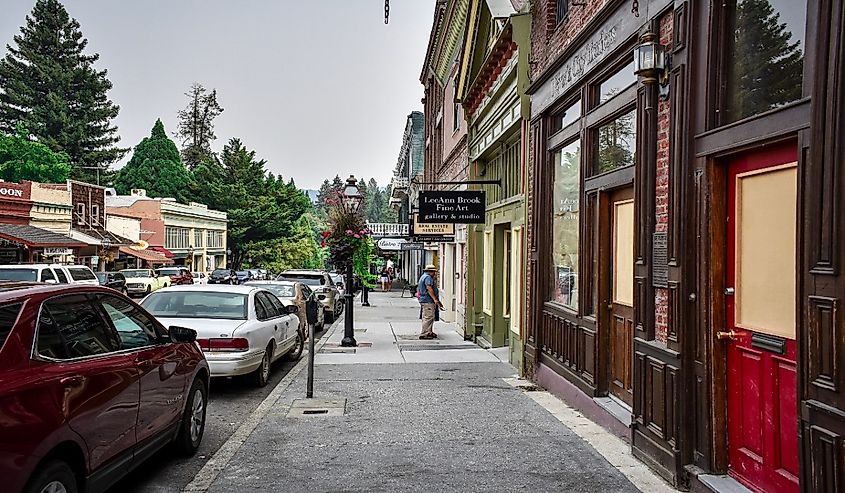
399	182
388	229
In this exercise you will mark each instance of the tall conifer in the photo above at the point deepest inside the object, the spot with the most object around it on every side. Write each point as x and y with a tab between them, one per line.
49	85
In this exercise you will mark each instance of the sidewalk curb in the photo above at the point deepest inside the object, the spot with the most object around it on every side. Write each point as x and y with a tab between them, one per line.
206	476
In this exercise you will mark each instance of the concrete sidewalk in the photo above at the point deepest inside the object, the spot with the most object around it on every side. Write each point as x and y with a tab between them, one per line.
400	414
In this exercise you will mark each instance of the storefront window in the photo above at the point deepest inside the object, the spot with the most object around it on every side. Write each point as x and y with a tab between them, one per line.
568	116
565	235
617	83
617	143
766	57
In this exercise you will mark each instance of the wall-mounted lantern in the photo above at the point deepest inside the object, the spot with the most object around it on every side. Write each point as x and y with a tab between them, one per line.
650	60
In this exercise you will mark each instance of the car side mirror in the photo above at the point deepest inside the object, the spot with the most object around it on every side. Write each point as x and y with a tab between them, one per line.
182	334
291	309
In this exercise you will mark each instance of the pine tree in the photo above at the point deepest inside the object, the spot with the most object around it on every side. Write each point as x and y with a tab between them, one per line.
767	67
156	167
48	84
196	125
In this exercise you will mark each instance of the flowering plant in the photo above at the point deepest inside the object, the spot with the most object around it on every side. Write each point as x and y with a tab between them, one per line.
350	241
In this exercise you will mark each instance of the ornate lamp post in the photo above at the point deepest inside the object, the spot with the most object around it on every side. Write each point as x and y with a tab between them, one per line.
351	201
106	243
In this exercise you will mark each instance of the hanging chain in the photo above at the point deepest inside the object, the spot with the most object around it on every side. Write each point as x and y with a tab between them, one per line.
386	11
635	8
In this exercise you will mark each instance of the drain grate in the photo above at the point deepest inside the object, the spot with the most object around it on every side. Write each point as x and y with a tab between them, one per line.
435	347
317	407
341	350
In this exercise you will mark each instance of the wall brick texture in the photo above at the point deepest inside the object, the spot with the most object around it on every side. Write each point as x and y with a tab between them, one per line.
548	38
661	295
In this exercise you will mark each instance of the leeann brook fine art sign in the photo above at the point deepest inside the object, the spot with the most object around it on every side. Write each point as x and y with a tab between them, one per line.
464	207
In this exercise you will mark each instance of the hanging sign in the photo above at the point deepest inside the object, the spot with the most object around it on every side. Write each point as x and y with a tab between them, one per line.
412	246
391	244
455	207
431	229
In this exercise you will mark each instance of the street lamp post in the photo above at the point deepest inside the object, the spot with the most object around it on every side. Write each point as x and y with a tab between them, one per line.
351	201
106	243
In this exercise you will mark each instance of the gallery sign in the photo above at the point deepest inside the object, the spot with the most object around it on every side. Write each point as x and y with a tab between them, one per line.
391	244
461	207
412	246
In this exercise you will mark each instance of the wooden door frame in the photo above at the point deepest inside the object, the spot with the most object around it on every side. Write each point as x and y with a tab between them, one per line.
714	243
602	228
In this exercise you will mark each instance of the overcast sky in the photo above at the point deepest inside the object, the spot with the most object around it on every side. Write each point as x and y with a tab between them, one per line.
316	87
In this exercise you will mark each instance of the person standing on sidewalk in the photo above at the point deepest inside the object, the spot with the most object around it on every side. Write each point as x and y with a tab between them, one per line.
430	304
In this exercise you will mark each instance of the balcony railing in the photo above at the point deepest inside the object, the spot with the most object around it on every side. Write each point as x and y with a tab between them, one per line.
400	182
388	229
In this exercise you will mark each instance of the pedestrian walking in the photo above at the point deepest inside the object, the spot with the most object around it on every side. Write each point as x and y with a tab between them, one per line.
384	279
430	305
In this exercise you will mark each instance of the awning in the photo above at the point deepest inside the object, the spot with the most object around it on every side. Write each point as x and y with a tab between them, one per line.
96	237
36	237
148	255
164	251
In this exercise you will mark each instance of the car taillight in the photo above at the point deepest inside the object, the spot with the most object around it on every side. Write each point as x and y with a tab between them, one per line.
223	345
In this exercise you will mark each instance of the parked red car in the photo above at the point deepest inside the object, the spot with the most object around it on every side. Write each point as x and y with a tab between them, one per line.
91	385
177	275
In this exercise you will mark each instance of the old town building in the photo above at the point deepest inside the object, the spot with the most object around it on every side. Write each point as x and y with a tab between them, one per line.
409	170
683	239
491	82
170	232
446	145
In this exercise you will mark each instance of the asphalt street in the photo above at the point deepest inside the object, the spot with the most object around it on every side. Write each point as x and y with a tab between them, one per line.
230	400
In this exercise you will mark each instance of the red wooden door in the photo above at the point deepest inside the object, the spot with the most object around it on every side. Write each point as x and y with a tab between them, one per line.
761	273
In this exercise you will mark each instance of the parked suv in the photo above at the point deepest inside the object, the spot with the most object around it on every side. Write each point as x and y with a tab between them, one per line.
49	273
91	385
321	283
177	275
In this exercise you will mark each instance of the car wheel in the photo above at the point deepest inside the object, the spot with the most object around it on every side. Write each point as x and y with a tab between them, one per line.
296	351
261	375
149	289
193	419
54	477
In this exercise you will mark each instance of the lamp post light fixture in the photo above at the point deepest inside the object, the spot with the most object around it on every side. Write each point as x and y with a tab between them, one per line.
651	61
351	201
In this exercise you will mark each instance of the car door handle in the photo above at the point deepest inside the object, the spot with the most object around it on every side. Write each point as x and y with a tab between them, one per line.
74	381
143	363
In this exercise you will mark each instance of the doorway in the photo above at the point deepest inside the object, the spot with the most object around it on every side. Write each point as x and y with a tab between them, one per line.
760	320
620	272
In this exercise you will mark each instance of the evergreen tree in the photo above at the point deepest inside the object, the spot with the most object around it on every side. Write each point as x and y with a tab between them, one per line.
156	167
767	67
196	125
48	84
24	159
263	209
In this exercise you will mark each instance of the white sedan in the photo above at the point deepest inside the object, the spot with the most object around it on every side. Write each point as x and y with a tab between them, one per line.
241	329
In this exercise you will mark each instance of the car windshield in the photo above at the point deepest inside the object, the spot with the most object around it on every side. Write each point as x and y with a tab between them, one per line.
280	290
23	274
309	279
137	273
243	273
168	272
102	276
80	273
197	304
220	272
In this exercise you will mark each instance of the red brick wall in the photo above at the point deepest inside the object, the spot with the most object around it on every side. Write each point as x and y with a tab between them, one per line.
548	40
661	295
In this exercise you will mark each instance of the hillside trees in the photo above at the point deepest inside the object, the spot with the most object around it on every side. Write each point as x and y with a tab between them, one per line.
22	158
